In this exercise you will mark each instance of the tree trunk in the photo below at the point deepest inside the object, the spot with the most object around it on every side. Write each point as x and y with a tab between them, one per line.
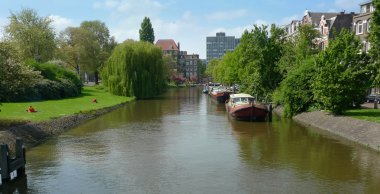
96	77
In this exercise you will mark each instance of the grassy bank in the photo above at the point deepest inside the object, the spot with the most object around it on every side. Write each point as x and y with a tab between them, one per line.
16	112
367	114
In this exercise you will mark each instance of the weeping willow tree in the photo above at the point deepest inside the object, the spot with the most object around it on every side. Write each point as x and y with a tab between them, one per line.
135	69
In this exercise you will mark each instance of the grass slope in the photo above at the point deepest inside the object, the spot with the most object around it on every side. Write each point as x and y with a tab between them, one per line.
56	108
367	114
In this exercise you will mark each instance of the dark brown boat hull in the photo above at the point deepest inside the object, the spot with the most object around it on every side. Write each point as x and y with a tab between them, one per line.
251	112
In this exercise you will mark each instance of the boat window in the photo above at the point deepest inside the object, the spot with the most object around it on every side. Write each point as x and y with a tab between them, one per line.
244	99
236	99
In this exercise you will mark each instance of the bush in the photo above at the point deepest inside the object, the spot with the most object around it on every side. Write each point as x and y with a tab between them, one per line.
295	92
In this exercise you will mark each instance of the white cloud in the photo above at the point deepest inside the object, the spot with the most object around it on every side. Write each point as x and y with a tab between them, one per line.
228	15
60	23
347	4
289	19
130	7
236	31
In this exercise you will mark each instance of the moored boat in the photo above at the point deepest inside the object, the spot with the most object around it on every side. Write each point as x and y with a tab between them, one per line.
243	107
220	94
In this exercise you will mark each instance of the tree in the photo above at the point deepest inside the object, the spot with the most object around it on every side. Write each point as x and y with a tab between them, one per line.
32	35
260	53
201	69
297	65
374	38
343	75
86	47
146	31
135	69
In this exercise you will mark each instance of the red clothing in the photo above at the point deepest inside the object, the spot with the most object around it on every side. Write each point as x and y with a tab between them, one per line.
31	109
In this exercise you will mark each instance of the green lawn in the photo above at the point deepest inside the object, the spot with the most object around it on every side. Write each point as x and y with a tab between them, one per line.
368	114
56	108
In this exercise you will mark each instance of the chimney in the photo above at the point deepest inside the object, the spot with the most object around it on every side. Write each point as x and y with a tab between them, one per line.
178	47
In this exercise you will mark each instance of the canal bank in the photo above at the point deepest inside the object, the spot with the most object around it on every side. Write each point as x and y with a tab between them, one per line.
359	131
33	133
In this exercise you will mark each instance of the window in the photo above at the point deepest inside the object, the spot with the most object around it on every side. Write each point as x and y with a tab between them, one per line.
359	27
368	25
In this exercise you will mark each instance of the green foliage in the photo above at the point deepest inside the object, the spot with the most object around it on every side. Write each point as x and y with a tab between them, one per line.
16	78
374	38
212	69
86	47
260	53
146	31
295	92
56	73
343	75
32	35
201	68
135	69
297	64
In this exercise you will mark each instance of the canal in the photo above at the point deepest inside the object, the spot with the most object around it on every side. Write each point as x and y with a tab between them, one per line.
183	142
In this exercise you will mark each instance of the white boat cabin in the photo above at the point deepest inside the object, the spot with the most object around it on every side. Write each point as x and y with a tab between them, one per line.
241	99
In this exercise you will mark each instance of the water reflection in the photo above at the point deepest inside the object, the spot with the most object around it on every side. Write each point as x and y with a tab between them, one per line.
19	185
285	145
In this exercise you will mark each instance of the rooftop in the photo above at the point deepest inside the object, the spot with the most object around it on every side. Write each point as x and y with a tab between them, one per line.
167	44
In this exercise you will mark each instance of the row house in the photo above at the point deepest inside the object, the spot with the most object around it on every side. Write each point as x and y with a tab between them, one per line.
292	28
361	25
185	65
324	22
189	64
329	26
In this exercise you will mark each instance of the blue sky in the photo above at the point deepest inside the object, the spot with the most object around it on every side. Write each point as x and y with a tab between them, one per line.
187	22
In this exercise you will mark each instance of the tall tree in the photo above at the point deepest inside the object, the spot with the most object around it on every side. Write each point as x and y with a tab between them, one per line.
298	67
260	52
32	35
343	76
135	69
374	38
146	31
87	47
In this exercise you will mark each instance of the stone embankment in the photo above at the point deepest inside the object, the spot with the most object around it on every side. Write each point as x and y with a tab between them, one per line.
362	132
34	133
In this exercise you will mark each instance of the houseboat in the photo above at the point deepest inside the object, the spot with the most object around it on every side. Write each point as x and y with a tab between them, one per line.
244	107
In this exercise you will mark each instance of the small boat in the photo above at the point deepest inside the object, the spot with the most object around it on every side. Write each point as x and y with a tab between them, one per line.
205	89
220	94
243	107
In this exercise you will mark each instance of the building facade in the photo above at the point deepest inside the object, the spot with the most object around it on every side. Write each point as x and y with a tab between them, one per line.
186	65
217	46
291	29
189	65
329	26
361	25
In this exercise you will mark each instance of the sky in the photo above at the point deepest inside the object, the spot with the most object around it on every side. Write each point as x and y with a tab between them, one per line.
188	22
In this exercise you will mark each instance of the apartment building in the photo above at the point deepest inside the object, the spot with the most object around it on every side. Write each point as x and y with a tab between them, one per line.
361	23
189	65
217	46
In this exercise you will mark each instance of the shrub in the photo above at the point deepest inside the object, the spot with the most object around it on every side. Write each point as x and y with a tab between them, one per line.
295	92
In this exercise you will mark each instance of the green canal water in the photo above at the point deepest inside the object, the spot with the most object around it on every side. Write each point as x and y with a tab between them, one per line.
183	142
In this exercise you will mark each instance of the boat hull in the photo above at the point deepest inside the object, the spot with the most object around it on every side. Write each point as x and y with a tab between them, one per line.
221	97
248	112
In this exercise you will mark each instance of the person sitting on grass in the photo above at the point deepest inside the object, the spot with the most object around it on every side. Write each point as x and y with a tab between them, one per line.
94	100
31	109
